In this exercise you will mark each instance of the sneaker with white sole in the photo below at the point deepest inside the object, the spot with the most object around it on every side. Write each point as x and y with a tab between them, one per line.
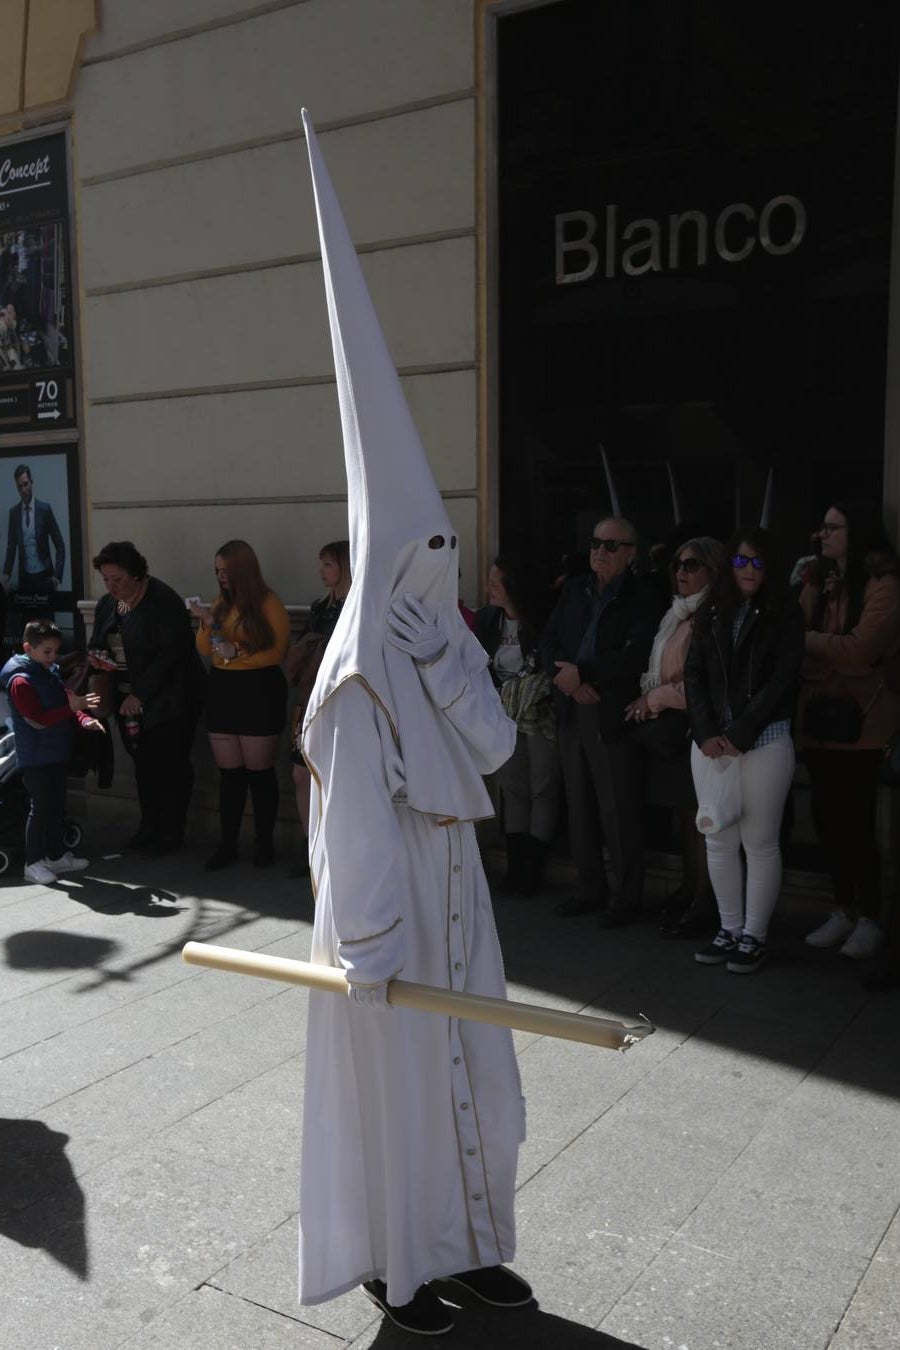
67	863
864	941
832	932
750	955
721	949
40	872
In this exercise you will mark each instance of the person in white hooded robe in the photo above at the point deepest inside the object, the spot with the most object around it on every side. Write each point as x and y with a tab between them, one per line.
412	1122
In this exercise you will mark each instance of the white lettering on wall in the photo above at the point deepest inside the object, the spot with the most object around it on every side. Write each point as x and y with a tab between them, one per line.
16	176
580	243
684	240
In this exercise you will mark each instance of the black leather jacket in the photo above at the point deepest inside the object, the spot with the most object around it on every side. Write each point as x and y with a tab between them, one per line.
622	645
756	677
164	669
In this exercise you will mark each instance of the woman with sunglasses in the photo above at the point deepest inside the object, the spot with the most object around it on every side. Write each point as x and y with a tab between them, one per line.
848	710
740	679
660	737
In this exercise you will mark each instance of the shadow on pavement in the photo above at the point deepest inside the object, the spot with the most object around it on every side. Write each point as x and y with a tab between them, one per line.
211	905
805	1008
511	1329
34	1168
45	949
116	897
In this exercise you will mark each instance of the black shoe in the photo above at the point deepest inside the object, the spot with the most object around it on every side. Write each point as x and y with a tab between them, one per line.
424	1315
263	853
223	857
577	904
722	948
750	955
618	916
496	1285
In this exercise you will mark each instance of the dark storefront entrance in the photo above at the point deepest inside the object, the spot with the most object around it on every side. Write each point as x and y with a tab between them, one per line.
694	208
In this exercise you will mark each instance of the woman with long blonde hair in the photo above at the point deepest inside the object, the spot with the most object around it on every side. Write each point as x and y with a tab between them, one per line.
245	634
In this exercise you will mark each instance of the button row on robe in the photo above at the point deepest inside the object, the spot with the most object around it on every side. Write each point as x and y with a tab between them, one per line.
456	943
472	1160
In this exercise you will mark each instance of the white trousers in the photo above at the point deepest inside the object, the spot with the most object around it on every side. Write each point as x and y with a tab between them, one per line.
766	778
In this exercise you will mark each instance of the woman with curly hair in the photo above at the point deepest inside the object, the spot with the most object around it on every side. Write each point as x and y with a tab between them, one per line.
740	678
245	634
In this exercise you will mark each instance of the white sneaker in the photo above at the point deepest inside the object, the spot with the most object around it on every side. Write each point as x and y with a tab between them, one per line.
39	871
832	931
864	941
67	863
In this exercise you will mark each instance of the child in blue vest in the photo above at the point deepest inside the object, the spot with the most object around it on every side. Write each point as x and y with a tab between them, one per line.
43	716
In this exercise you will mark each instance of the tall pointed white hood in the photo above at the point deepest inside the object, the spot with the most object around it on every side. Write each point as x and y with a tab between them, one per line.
395	513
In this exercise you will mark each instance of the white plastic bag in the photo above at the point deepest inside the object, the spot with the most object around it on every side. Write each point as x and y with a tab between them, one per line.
717	783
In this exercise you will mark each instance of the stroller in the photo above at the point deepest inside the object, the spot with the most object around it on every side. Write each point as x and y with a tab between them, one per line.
14	801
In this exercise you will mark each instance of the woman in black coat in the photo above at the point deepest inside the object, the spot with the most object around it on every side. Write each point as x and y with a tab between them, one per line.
741	679
142	626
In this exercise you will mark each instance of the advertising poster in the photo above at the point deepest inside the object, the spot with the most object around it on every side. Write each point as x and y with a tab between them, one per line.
40	548
36	359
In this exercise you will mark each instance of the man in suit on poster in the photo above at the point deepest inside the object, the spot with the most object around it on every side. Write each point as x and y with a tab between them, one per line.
32	530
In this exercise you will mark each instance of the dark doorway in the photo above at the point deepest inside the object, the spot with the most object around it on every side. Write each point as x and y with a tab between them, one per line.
694	240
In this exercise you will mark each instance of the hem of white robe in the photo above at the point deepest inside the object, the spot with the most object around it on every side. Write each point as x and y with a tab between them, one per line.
311	1300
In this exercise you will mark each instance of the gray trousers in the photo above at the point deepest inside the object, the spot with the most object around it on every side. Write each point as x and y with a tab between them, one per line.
529	781
605	801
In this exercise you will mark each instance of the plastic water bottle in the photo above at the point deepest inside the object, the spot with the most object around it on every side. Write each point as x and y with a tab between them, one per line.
132	731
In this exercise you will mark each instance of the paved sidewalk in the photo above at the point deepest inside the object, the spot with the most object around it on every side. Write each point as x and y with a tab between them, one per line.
732	1183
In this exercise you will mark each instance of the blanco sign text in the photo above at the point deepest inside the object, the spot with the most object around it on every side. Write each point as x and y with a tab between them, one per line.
687	237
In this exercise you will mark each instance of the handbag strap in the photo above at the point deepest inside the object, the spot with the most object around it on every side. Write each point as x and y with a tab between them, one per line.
868	708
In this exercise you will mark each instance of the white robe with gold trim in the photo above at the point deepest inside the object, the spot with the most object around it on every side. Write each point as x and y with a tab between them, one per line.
412	1122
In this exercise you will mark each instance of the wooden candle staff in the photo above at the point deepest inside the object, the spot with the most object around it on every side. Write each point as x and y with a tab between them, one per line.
445	1002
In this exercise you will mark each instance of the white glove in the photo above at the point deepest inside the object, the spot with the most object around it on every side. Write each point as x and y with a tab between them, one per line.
369	995
413	631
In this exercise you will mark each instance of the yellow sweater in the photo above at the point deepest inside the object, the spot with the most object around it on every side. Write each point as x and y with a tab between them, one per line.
230	630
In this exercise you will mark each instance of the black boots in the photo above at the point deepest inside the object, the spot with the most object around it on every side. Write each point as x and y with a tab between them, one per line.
232	800
233	787
264	794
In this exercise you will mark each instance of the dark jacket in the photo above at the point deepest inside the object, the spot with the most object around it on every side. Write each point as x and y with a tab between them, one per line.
489	629
164	669
323	615
622	645
46	531
37	746
756	677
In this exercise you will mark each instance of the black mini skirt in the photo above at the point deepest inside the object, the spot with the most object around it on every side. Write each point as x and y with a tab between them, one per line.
247	702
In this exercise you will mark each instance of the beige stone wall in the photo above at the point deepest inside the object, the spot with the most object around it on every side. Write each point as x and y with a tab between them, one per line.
210	410
41	40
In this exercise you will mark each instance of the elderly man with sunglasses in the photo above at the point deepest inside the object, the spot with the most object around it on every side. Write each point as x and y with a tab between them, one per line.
595	647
